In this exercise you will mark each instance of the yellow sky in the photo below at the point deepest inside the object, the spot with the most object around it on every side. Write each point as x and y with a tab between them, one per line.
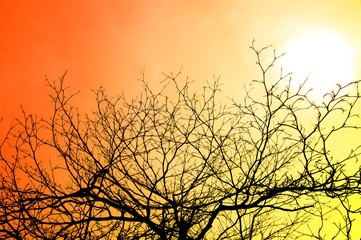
109	42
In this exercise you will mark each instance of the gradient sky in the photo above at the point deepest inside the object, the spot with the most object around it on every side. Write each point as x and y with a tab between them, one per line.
108	43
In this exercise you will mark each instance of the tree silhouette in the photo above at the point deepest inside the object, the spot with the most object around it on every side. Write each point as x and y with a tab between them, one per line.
182	164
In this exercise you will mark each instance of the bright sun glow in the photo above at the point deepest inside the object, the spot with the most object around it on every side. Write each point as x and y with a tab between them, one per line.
325	55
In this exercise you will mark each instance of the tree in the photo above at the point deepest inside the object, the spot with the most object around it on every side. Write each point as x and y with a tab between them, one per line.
183	165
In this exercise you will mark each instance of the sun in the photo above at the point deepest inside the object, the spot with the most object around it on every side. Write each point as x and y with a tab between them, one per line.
323	56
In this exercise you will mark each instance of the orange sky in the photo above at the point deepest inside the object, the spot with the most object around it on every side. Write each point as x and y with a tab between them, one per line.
109	42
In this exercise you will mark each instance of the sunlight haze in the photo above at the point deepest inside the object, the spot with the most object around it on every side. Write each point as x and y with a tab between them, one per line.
324	57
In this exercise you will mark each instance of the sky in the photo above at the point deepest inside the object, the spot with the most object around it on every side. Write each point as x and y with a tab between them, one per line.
109	43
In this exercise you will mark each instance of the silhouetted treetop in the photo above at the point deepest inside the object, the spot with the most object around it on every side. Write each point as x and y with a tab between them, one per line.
185	163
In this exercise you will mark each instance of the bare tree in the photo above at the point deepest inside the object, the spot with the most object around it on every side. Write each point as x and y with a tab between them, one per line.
178	164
